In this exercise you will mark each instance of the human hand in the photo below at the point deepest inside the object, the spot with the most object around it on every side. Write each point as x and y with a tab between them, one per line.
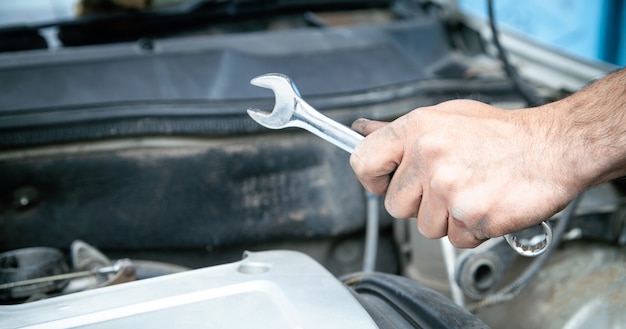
466	169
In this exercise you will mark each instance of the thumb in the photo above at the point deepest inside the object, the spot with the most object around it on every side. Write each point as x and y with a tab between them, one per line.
366	126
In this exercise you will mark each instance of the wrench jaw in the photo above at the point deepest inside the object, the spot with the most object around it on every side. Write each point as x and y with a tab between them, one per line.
286	96
267	119
278	83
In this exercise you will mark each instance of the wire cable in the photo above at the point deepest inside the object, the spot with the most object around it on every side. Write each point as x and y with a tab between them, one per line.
529	95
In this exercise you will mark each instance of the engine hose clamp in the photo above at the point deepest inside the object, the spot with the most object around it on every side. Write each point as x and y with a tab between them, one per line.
531	247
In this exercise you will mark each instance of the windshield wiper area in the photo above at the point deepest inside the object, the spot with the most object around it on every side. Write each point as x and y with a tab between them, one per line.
202	16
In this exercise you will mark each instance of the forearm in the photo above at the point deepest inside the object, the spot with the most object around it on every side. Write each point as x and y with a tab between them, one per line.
590	126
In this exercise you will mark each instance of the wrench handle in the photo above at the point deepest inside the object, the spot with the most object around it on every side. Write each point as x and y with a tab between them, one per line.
306	117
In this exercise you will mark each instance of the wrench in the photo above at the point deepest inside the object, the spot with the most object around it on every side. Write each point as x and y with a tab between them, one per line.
290	110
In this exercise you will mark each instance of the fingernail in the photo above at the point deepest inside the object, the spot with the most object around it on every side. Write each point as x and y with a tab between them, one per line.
359	124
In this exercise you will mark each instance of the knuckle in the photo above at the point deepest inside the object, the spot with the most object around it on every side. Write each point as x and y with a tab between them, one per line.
471	225
395	209
466	209
444	181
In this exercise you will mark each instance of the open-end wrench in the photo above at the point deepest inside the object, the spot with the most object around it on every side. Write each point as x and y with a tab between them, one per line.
290	110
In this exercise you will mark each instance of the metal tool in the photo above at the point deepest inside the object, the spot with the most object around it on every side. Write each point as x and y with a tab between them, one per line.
534	246
290	110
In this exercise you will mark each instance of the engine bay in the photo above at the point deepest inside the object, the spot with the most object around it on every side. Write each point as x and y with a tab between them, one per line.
127	158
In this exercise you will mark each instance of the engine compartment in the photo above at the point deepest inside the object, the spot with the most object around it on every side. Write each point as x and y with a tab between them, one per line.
134	139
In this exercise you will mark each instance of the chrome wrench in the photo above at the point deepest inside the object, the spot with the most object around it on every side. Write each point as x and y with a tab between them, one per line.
290	110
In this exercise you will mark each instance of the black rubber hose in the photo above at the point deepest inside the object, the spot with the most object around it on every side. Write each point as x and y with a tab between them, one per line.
529	95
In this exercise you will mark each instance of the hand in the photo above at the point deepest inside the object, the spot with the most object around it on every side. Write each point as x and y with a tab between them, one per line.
466	169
